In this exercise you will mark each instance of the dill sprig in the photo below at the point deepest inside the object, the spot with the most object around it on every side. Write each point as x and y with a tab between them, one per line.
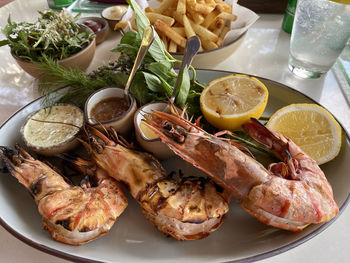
78	85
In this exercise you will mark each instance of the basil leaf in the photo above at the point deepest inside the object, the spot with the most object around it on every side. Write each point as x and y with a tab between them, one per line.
131	37
184	87
137	89
157	49
162	70
153	82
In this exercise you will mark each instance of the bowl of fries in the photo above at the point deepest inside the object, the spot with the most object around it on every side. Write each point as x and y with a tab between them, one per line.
220	25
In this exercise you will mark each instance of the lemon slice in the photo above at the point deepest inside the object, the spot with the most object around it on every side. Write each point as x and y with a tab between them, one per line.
228	102
311	127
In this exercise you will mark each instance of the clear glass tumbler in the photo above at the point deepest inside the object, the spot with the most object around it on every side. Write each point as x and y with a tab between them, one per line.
320	32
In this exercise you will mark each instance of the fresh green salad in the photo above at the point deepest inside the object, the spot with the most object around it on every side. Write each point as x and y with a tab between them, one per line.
54	35
153	81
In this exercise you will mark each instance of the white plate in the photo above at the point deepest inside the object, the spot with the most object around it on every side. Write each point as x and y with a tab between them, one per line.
240	239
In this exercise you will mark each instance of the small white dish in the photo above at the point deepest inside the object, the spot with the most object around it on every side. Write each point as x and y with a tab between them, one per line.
114	14
53	130
150	143
122	124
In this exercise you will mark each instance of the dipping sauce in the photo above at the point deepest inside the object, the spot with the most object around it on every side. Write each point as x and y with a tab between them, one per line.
93	25
109	109
47	128
115	12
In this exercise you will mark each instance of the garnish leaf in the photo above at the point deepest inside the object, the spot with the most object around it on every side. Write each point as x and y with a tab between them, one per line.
184	87
157	49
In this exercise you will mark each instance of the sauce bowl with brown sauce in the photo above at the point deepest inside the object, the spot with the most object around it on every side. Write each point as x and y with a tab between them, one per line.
107	107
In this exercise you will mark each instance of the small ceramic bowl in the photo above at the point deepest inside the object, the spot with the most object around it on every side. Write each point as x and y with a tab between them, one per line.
98	25
80	60
44	137
113	14
152	144
122	124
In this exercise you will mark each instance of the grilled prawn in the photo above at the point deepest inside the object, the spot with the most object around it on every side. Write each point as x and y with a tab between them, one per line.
290	195
71	214
187	208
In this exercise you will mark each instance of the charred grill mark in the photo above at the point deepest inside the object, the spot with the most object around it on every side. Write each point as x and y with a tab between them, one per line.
161	203
218	188
147	190
172	174
137	178
65	223
85	229
194	208
37	186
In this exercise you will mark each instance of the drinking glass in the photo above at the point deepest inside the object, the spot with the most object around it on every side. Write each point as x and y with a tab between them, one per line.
320	32
59	4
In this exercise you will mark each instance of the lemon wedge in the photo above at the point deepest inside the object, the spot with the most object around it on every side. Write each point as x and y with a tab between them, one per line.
230	101
311	127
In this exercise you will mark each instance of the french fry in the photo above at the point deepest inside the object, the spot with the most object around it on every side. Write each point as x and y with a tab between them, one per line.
148	9
172	46
211	3
224	32
166	19
220	42
222	35
178	18
227	8
208	45
180	31
204	33
170	33
188	28
181	7
170	12
218	26
198	18
165	41
202	8
166	4
191	2
227	16
121	24
210	18
133	23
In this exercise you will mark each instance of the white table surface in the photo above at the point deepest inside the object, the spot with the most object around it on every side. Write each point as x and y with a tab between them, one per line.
264	52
